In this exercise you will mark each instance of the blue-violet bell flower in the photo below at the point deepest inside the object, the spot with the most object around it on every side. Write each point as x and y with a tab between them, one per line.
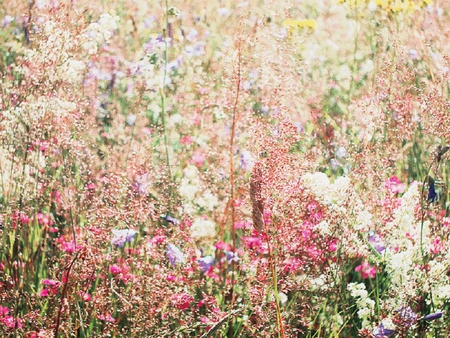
433	316
205	263
122	236
174	255
381	332
376	242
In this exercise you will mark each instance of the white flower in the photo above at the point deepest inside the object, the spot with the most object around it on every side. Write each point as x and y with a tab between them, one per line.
318	183
99	32
187	190
367	66
207	200
441	294
283	297
324	228
202	228
175	119
72	69
190	171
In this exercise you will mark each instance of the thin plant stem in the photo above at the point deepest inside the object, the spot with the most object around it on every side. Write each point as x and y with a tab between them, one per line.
231	202
63	295
273	270
162	93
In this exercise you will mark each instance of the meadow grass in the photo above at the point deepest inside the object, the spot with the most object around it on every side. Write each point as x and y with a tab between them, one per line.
224	169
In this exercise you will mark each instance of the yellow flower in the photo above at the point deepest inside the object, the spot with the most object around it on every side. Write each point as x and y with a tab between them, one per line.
292	24
392	5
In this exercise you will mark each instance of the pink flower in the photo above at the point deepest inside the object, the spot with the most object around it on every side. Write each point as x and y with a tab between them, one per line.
67	246
198	158
437	246
50	282
186	140
44	219
3	311
252	242
86	296
115	269
182	301
222	246
52	287
366	270
332	245
12	322
44	293
108	318
24	219
394	185
242	225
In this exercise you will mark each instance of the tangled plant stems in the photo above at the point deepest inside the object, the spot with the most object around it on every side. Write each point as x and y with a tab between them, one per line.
203	169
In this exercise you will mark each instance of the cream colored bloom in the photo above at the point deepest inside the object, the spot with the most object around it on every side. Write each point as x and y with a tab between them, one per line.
203	228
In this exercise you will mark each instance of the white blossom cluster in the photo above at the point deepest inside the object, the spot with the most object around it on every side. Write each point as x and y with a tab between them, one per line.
100	32
364	304
194	195
203	228
344	203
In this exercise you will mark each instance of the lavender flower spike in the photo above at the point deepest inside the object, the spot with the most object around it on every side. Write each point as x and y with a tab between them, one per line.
174	255
122	236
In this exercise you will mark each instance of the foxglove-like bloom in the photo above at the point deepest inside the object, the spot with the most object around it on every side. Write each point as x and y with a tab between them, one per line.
205	263
122	236
432	194
174	255
381	332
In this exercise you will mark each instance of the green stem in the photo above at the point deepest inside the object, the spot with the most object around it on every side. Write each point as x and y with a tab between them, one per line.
273	268
162	93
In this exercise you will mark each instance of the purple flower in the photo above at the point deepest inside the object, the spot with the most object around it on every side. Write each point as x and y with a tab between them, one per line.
407	315
381	332
247	160
122	236
433	316
232	256
413	55
7	20
205	263
131	120
195	50
140	185
376	242
432	194
174	255
170	219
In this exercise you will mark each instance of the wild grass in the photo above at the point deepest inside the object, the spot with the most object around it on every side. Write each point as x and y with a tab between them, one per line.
224	169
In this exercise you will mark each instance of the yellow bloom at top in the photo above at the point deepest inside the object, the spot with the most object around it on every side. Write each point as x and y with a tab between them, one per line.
292	24
391	5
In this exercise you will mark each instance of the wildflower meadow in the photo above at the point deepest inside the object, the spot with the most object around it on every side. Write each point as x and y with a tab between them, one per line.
224	168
